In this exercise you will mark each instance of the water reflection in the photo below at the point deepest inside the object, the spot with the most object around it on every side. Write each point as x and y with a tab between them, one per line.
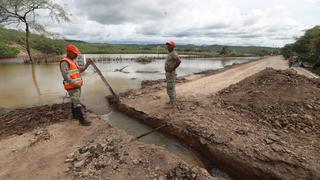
34	79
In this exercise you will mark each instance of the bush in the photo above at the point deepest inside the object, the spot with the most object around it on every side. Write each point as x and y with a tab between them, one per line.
7	51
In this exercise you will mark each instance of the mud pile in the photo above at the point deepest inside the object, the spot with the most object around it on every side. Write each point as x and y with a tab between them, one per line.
19	121
282	100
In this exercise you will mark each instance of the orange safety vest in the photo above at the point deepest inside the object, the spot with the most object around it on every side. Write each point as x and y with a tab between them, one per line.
73	73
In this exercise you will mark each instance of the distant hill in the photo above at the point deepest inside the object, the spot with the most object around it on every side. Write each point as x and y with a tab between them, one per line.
12	41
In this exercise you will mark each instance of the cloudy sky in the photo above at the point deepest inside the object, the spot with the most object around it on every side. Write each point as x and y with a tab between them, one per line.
228	22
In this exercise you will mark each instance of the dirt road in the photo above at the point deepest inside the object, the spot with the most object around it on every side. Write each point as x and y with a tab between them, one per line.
264	126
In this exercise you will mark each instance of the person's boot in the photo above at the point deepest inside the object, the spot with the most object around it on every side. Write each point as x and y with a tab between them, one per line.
81	118
74	115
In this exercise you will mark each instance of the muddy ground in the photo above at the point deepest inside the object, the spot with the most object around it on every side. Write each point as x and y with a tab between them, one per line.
264	127
45	143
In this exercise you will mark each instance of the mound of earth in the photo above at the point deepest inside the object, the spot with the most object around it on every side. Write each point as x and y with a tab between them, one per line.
19	121
278	99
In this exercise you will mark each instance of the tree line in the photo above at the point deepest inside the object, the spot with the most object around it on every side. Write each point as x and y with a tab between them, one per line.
306	48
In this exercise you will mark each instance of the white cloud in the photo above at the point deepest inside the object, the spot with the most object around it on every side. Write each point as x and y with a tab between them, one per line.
231	22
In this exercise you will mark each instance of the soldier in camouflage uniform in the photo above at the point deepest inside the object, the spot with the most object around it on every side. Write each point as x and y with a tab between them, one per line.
172	62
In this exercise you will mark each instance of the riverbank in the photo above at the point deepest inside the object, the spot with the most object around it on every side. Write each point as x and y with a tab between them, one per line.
263	127
53	146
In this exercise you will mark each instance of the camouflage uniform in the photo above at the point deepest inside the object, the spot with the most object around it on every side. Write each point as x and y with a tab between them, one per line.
73	93
171	74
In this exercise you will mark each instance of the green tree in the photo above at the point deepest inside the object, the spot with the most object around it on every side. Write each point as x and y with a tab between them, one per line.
306	47
7	51
287	50
25	11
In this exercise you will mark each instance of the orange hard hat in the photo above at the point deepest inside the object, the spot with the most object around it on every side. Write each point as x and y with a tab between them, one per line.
171	43
73	48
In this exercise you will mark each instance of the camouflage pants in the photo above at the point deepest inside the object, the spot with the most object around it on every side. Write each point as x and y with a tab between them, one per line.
75	96
171	83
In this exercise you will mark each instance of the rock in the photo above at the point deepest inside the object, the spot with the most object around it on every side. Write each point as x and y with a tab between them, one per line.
309	106
67	169
157	168
135	161
83	149
84	174
70	156
309	117
79	164
277	124
156	97
268	141
114	167
242	132
69	160
274	137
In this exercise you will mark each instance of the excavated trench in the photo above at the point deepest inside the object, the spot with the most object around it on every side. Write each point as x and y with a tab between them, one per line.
171	142
214	158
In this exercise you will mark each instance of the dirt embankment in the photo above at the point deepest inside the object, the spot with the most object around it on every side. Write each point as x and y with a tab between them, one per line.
53	146
264	127
19	121
282	100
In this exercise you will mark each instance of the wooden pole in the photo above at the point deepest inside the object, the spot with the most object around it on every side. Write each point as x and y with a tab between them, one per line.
147	133
106	82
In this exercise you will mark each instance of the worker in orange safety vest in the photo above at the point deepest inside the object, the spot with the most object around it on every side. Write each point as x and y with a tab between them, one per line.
72	81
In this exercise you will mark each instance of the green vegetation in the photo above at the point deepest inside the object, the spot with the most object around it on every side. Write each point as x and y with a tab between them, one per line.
24	12
52	46
7	51
306	47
